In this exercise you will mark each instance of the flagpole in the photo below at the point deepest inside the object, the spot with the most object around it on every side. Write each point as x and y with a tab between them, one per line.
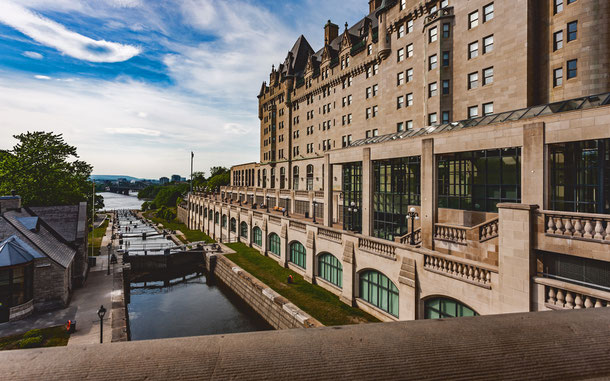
192	155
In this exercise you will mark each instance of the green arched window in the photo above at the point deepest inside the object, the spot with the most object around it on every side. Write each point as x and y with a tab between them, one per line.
233	225
216	215
297	254
377	289
224	220
205	213
243	230
274	244
257	235
437	308
330	269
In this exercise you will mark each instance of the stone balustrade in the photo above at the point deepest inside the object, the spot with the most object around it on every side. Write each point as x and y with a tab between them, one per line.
298	225
450	233
285	192
301	193
563	295
458	268
488	230
583	226
329	235
319	194
406	239
378	248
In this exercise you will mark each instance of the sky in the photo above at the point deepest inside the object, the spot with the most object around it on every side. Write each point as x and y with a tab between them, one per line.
136	85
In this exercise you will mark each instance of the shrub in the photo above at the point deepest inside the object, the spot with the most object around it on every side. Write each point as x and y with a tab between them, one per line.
31	342
56	342
32	333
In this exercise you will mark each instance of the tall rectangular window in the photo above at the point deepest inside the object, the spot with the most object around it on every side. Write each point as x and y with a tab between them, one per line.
400	126
446	30
473	80
409	124
444	3
488	76
369	113
432	34
558	6
432	62
410	26
473	50
352	196
488	44
375	90
446	58
432	89
473	20
401	31
488	12
409	99
400	101
446	117
432	119
400	55
400	78
409	50
488	108
572	30
558	40
558	77
446	87
572	68
409	75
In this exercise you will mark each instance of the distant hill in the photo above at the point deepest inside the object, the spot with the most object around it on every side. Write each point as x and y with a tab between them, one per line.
112	177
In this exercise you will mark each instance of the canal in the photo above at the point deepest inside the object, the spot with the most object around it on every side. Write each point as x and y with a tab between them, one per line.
115	201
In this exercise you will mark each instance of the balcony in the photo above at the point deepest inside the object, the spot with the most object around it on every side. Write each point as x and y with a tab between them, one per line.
560	295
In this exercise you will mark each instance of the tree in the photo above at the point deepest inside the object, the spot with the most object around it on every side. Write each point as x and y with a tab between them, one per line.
199	179
44	170
219	180
214	171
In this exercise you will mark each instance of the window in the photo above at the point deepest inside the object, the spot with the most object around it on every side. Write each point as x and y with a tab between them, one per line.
233	225
488	76
400	126
479	180
376	289
432	62
444	3
403	4
572	68
409	124
400	55
224	220
352	199
446	58
369	72
473	111
446	87
409	26
349	118
409	75
400	101
432	89
473	50
275	246
576	270
488	44
558	6
243	230
369	92
401	31
572	30
309	177
257	236
440	308
330	269
298	254
369	112
375	90
473	20
375	69
16	287
400	78
488	12
409	99
295	177
409	50
396	188
558	77
488	108
375	111
432	119
432	34
446	117
558	40
473	80
446	30
369	50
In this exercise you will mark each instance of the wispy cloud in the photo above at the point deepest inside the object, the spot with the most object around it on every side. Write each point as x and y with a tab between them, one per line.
133	131
33	55
43	77
55	35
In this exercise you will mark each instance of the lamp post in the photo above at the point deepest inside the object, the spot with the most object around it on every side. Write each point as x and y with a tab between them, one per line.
267	203
100	313
413	216
286	206
108	247
314	211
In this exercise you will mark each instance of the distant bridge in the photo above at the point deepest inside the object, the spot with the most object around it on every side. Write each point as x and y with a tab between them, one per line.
120	189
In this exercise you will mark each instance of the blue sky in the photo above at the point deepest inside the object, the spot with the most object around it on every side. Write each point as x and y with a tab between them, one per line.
137	84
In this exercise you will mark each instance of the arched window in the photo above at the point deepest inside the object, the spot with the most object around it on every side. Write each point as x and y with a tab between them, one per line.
233	225
330	269
295	178
205	213
272	178
243	229
216	215
437	308
258	180
282	177
297	254
274	244
257	235
377	289
210	214
310	177
224	220
264	178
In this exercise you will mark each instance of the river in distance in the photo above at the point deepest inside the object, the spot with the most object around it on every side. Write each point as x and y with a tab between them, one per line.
115	201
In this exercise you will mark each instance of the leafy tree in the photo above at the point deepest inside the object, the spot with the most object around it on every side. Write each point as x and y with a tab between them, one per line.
44	170
219	180
214	171
166	213
199	179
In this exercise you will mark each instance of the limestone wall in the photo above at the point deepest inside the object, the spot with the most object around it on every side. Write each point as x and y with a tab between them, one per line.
182	214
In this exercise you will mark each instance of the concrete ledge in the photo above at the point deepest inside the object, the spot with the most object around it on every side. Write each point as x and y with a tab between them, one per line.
119	314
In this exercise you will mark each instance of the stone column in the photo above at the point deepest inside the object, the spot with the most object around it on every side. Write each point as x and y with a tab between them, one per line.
328	192
284	243
292	203
310	197
406	289
533	164
428	193
367	192
516	259
347	291
310	256
265	232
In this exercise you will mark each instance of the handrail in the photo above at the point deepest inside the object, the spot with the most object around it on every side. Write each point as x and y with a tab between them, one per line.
376	247
406	239
564	295
583	226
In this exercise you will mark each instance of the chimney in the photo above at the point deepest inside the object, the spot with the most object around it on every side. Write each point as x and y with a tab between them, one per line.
331	31
374	4
10	203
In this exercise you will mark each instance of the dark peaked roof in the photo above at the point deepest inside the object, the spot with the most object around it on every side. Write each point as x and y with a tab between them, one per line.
14	251
296	60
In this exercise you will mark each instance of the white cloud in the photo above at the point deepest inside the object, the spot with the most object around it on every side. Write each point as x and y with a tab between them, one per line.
33	55
43	77
55	35
236	129
133	131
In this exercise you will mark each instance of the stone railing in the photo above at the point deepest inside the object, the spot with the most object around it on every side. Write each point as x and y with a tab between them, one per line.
451	233
406	239
298	225
583	226
329	234
275	220
319	194
301	193
488	230
285	192
378	248
566	296
458	268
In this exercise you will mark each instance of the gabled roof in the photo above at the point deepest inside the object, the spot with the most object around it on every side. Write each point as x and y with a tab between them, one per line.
63	219
30	223
14	251
296	60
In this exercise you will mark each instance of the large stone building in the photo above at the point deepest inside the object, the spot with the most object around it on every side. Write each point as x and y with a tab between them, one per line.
490	120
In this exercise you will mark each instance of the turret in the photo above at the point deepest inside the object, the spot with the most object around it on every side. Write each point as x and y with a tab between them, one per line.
384	40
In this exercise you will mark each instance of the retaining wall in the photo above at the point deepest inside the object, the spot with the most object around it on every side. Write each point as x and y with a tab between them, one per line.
119	314
274	308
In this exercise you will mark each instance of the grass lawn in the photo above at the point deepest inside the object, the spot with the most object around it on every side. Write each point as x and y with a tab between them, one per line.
39	338
98	233
313	299
191	235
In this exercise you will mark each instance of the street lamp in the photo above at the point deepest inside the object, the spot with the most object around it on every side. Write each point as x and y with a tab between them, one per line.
108	247
101	312
314	211
267	204
354	210
413	216
286	206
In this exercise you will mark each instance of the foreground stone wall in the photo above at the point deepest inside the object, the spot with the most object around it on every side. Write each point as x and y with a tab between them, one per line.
182	214
119	313
51	285
275	309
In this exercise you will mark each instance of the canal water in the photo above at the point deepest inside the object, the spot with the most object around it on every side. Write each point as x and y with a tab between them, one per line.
114	201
